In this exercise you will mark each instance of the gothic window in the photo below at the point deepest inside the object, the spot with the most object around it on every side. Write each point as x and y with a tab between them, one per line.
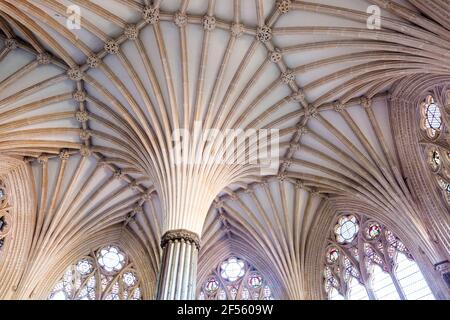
364	260
436	153
431	117
5	215
104	275
235	279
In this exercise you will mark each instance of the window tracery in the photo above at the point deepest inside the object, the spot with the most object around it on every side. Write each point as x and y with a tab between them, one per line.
235	279
365	260
6	219
437	155
103	275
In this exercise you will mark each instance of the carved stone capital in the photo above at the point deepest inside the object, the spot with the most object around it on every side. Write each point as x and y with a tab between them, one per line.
174	235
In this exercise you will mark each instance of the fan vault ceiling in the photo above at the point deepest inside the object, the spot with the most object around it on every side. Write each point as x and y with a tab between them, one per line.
92	113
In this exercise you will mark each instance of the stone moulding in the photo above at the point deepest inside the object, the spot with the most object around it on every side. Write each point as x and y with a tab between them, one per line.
174	235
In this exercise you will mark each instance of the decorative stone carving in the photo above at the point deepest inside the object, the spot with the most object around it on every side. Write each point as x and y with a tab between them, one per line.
112	47
118	174
82	116
282	176
79	96
43	58
222	218
288	77
85	151
11	43
146	196
75	74
298	96
234	196
209	23
283	6
137	210
218	204
294	147
302	129
275	56
174	235
93	61
151	15
286	165
131	32
264	34
64	154
311	112
338	106
366	102
299	184
134	185
85	135
237	30
42	159
249	190
180	19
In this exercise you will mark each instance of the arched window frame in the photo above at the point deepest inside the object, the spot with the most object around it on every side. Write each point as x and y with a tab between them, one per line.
99	283
435	148
234	290
345	266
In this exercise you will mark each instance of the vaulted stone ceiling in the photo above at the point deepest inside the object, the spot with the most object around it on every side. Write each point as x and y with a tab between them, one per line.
94	111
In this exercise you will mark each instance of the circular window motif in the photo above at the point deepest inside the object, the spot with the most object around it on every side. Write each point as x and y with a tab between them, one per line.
129	278
85	267
255	281
211	285
346	229
111	259
232	269
332	255
373	231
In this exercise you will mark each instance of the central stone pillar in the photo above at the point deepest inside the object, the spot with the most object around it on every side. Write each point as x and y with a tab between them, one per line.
178	276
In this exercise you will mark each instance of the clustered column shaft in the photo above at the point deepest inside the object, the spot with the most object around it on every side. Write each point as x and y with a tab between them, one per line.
179	265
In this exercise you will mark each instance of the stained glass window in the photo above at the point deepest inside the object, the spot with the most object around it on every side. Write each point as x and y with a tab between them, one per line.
431	117
365	260
346	229
437	155
103	275
235	279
